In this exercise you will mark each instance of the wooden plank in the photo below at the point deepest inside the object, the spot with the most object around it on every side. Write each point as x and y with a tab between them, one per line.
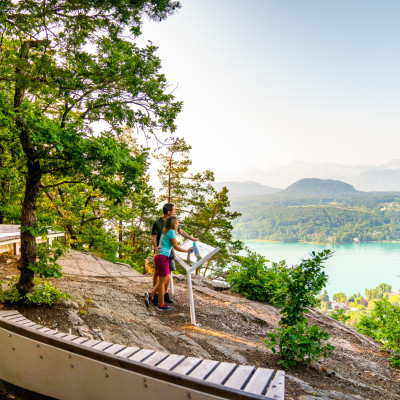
70	337
19	321
60	335
276	389
15	318
156	358
91	343
27	322
115	348
141	355
203	369
171	362
32	325
36	327
44	330
240	377
80	340
222	373
48	331
5	313
259	381
187	365
129	351
102	346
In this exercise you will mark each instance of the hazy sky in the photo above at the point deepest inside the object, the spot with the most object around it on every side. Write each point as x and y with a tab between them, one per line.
267	82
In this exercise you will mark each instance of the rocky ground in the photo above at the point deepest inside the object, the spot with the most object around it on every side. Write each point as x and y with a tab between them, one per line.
109	304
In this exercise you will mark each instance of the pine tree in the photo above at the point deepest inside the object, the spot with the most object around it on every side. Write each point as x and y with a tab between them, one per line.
203	212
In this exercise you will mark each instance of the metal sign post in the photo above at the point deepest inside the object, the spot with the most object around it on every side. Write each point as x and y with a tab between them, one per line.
206	252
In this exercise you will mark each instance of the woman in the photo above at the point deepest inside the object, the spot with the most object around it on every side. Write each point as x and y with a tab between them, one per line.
167	243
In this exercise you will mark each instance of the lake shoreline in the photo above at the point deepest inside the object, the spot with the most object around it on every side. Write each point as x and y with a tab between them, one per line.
353	267
322	244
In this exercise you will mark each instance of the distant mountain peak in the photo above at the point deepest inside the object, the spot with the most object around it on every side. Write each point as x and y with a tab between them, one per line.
245	188
384	177
318	187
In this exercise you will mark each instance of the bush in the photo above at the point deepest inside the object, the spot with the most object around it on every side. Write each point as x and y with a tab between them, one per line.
340	315
251	277
43	292
295	339
299	343
384	324
46	265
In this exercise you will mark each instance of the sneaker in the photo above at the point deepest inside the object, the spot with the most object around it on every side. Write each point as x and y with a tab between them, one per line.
154	300
167	299
147	299
164	308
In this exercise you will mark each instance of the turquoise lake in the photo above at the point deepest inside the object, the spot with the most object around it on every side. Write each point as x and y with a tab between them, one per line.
351	269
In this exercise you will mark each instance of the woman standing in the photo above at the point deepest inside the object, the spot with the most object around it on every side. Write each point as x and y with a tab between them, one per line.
167	243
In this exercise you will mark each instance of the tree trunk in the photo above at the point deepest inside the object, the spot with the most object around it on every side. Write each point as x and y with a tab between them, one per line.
34	174
28	219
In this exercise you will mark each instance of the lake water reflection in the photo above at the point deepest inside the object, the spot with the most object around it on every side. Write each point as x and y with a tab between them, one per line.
351	269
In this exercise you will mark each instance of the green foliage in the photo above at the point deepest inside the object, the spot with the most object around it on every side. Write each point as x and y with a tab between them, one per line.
340	315
383	324
299	343
379	292
305	281
46	263
295	339
251	277
339	297
368	217
43	292
203	212
54	85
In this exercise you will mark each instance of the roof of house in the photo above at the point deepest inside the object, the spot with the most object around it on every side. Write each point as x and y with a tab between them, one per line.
13	232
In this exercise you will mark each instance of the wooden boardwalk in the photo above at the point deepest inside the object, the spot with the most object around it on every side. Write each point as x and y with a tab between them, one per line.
65	366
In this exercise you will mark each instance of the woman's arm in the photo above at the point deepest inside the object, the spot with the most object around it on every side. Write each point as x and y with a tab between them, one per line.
177	248
186	236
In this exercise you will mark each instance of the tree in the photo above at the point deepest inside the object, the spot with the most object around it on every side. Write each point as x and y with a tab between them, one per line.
204	211
64	66
211	220
175	164
339	297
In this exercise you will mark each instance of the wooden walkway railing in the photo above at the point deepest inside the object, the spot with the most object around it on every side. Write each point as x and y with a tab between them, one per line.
66	366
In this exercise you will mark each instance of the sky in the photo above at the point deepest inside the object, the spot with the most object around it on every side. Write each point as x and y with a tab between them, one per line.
269	82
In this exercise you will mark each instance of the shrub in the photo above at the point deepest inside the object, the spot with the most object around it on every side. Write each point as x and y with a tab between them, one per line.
340	315
46	263
43	292
295	339
299	343
384	324
251	277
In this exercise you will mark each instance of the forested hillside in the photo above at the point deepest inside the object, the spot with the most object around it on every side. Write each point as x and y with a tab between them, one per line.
320	187
366	217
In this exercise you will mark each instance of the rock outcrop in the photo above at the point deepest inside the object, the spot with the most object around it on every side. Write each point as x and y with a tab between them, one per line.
108	304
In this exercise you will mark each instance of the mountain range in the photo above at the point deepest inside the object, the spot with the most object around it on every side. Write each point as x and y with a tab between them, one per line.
250	192
370	178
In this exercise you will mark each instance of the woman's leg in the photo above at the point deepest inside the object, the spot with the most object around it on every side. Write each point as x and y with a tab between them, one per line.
160	288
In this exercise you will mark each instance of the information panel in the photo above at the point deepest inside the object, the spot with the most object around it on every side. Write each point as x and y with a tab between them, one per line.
190	261
199	255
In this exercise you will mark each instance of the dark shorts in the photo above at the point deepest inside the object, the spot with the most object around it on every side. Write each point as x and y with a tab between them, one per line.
162	264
